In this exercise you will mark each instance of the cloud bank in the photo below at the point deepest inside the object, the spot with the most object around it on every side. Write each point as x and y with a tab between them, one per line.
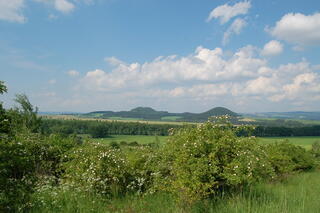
207	75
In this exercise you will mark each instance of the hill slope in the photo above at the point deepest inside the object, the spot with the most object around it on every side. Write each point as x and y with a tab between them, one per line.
147	113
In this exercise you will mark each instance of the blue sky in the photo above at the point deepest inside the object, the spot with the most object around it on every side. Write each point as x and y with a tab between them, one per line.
191	55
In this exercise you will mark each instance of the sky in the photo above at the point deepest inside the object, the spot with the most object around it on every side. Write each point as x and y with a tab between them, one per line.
172	55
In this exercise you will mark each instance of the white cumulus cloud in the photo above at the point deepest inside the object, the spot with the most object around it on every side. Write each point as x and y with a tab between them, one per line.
298	29
272	48
203	65
226	12
63	6
235	28
11	10
205	76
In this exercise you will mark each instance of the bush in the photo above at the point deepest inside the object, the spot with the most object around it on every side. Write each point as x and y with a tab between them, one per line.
198	162
25	159
98	168
315	149
108	171
286	158
17	174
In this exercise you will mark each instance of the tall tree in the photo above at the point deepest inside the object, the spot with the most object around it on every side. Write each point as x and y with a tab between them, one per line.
28	114
4	125
3	87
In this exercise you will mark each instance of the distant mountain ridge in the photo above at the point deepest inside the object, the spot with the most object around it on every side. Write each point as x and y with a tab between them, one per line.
300	115
148	113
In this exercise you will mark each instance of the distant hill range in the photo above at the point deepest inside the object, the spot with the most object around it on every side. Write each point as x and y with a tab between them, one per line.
298	115
147	113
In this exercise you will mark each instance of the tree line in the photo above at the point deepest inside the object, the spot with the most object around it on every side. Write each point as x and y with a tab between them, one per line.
101	129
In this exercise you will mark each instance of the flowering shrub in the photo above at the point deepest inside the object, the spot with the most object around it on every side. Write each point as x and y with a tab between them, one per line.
96	167
198	162
110	171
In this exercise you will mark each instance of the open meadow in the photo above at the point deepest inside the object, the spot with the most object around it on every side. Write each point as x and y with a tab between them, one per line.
305	141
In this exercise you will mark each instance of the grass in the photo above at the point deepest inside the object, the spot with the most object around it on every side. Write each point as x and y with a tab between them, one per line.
306	122
299	194
123	119
305	142
170	118
310	122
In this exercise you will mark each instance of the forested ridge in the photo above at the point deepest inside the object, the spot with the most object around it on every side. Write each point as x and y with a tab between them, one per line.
147	113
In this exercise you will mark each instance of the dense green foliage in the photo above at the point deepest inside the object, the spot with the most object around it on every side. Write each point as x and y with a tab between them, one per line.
198	162
25	155
26	159
101	129
272	131
298	194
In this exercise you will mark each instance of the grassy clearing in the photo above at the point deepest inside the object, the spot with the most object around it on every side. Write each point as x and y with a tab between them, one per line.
305	142
299	194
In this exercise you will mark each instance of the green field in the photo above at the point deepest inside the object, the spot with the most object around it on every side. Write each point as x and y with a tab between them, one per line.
124	119
306	122
170	118
305	142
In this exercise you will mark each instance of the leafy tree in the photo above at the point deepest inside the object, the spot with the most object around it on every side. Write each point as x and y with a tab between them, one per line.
3	87
26	114
3	117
